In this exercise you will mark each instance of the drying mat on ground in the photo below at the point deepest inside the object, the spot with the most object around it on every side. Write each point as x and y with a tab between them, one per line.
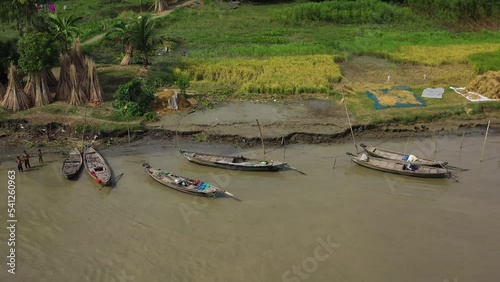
397	96
436	93
471	96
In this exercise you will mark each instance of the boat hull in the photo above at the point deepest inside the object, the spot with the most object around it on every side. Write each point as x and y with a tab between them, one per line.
72	164
168	182
397	168
96	166
396	156
249	165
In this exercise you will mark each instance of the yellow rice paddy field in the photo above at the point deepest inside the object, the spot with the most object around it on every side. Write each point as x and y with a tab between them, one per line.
438	55
283	75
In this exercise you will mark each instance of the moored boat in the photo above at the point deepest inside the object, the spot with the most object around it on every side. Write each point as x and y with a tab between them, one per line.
396	156
72	163
233	162
184	184
96	166
409	169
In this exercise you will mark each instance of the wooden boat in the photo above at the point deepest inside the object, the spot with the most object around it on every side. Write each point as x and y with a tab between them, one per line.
399	167
184	184
96	166
232	162
72	163
390	155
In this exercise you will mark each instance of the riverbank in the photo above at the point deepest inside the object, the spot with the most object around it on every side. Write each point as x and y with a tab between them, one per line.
311	121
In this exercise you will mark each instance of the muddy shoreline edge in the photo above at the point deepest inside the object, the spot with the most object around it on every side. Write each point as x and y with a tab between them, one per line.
56	138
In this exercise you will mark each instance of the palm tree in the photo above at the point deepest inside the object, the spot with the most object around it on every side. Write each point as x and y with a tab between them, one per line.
144	37
64	29
121	32
161	5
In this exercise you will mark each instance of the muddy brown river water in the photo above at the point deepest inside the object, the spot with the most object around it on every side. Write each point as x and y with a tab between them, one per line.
346	223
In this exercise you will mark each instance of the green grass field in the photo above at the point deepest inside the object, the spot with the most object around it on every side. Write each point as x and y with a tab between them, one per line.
290	48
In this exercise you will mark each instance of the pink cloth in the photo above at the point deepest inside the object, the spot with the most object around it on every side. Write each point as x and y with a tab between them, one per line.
52	8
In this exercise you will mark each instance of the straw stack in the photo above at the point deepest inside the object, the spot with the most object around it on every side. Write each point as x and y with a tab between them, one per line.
15	98
95	90
77	97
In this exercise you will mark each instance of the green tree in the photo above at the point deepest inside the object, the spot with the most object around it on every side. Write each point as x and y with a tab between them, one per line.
8	55
144	37
133	99
21	12
64	29
37	52
120	31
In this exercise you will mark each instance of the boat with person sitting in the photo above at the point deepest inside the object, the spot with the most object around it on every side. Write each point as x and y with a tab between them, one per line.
396	156
72	163
184	184
233	162
96	166
400	167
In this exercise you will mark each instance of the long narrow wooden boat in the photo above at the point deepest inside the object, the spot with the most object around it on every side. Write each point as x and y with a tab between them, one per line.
396	156
399	167
96	166
233	162
184	184
72	163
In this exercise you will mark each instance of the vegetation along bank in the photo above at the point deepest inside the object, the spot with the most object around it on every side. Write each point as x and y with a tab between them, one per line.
113	70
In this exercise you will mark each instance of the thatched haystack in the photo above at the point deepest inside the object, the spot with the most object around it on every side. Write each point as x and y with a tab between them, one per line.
63	90
37	90
42	93
78	59
51	79
77	97
2	91
95	90
487	85
161	5
15	98
164	102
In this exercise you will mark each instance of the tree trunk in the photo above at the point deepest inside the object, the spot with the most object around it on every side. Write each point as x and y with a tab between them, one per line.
127	59
161	5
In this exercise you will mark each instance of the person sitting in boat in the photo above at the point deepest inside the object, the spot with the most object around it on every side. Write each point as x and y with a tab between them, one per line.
196	181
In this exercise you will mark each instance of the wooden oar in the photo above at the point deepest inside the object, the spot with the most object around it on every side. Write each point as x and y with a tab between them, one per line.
113	180
297	170
449	172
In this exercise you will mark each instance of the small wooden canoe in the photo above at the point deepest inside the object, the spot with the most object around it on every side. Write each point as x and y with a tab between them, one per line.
72	163
400	167
96	166
184	184
390	155
232	162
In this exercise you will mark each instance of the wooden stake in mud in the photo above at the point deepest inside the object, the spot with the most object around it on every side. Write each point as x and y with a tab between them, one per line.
462	142
261	139
349	120
485	136
435	148
334	162
128	129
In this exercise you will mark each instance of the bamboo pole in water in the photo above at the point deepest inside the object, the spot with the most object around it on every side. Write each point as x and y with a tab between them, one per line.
261	139
349	120
484	143
462	142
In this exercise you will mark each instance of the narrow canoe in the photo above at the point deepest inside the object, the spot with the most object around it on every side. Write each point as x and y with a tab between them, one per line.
96	166
400	167
233	162
396	156
72	163
184	184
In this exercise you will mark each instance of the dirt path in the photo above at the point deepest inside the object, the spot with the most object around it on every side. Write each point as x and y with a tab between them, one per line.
155	16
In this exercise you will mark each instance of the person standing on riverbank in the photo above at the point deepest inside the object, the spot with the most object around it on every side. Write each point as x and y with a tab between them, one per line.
19	163
26	158
40	156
